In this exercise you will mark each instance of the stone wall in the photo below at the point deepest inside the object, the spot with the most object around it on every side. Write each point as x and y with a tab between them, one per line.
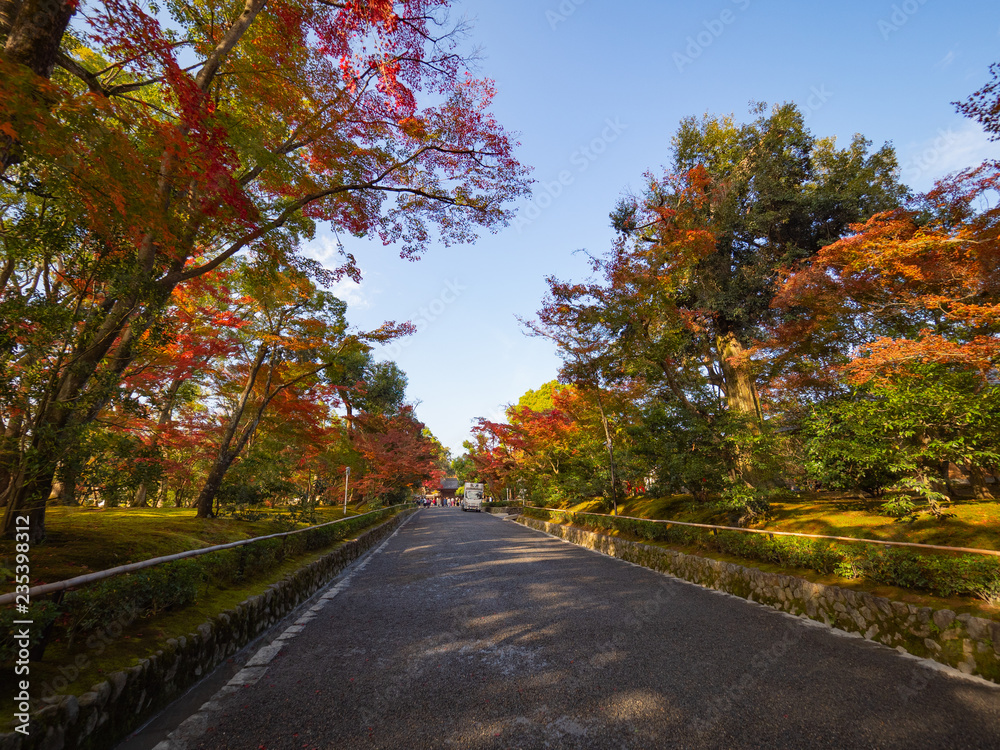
970	644
105	714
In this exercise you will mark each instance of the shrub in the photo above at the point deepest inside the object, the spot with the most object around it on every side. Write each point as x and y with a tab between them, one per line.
892	567
967	575
40	613
173	585
243	512
943	575
126	597
902	500
744	504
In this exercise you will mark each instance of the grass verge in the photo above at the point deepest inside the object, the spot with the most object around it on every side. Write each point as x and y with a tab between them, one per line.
83	540
85	661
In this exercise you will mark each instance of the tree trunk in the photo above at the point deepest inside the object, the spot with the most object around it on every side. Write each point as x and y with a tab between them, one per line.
26	497
9	456
944	472
741	398
36	32
611	453
206	498
64	487
33	31
227	452
67	407
140	498
33	471
741	389
8	12
977	478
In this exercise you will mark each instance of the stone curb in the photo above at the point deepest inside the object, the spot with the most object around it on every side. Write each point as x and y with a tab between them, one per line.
968	643
106	714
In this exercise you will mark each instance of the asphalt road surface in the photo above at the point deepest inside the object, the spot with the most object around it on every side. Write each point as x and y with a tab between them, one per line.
468	631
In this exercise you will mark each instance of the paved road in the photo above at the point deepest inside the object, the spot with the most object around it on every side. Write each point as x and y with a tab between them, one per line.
467	631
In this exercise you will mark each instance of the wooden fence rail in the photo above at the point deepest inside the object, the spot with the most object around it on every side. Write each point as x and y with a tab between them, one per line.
995	553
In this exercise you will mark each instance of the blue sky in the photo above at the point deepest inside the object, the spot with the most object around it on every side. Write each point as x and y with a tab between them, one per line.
596	90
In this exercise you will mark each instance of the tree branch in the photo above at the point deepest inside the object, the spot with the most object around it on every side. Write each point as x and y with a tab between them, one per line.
232	37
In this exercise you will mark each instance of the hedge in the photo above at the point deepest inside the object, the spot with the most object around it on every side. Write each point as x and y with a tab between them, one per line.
940	574
172	585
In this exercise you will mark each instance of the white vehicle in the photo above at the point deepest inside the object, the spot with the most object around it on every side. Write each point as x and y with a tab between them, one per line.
472	497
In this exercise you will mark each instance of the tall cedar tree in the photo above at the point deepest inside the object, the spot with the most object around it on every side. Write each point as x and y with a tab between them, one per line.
688	286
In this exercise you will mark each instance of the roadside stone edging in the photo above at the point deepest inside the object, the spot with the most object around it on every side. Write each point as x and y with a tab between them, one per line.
111	709
970	644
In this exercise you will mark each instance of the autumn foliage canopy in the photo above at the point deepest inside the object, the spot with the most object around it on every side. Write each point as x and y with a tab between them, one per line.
777	313
145	149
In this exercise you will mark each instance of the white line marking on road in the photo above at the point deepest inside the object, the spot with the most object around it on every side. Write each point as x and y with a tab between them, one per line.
247	676
265	655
